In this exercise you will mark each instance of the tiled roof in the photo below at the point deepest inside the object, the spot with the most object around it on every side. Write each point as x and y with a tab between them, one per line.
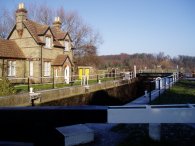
60	59
34	29
58	34
9	49
37	30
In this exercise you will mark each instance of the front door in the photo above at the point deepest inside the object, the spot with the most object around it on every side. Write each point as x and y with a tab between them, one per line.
67	74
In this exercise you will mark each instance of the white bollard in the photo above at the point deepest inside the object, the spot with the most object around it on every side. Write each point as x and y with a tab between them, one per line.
135	71
145	93
31	90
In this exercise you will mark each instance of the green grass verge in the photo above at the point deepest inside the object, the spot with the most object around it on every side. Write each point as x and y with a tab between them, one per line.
38	87
182	92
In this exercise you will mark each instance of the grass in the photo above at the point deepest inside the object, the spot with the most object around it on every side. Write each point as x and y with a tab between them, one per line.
38	87
182	92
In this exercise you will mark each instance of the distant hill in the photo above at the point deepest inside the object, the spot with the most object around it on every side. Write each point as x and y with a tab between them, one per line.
149	61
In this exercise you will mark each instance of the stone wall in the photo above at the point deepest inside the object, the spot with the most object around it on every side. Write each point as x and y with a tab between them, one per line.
112	91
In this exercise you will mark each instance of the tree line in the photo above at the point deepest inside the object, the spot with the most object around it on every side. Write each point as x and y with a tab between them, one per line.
148	61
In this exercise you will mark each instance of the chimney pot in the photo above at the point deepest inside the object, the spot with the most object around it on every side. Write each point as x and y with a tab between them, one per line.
21	6
57	23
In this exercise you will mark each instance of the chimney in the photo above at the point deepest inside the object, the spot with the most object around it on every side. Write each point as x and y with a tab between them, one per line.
57	23
21	15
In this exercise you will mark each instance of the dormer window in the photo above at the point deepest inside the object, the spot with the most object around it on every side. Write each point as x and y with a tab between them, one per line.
66	44
48	42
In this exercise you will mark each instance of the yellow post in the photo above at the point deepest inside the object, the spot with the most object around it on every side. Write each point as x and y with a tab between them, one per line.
80	73
87	72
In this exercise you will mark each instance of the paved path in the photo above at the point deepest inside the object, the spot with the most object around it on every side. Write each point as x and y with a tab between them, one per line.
145	99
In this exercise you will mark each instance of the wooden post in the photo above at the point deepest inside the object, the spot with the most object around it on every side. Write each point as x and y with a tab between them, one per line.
3	69
97	78
53	79
28	84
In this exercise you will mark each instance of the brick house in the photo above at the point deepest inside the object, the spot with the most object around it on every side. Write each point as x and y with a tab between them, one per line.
35	50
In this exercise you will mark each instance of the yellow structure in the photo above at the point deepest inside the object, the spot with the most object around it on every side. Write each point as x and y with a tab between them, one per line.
84	70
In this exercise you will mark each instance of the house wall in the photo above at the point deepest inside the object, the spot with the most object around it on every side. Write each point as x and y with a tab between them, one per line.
33	52
20	70
69	53
1	66
53	52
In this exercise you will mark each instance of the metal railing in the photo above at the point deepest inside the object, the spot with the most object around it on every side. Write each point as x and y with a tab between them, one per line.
40	83
162	84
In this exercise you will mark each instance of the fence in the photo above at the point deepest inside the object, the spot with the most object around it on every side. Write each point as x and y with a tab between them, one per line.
41	83
162	84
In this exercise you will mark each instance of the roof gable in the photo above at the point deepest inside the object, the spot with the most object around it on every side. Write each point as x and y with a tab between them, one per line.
37	30
59	34
60	60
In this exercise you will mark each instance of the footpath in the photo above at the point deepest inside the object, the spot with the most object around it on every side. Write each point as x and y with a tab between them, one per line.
145	99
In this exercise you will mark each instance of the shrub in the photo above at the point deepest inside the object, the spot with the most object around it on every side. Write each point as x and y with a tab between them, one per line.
5	87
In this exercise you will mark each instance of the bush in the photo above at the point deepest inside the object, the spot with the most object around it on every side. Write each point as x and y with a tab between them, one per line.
5	87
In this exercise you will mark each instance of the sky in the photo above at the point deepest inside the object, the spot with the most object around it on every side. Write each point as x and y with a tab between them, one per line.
134	26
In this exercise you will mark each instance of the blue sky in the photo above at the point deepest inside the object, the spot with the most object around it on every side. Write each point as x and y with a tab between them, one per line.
134	26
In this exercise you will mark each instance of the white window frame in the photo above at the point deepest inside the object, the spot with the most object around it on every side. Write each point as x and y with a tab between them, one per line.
48	42
11	68
47	69
66	45
56	72
31	70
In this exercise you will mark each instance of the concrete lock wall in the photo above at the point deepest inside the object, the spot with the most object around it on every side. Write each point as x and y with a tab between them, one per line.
79	95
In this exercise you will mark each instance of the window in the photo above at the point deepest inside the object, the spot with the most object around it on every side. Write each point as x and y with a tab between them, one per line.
56	70
47	42
11	68
31	68
47	68
66	46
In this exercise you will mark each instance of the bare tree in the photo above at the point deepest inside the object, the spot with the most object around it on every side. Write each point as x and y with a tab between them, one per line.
7	21
85	39
41	13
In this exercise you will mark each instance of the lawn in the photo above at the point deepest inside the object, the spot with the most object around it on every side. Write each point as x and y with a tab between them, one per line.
182	92
38	87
